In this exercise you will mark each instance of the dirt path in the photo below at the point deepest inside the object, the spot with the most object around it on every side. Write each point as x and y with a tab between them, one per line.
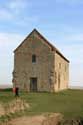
28	120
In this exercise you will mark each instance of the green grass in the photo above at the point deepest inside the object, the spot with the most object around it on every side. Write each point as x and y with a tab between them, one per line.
69	102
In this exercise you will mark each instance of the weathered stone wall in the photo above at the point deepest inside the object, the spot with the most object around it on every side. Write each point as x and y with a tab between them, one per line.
62	73
43	69
50	69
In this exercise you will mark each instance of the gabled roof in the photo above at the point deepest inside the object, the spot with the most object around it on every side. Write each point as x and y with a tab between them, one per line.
53	47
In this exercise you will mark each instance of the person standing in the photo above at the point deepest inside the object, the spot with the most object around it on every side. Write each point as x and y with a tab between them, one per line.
16	91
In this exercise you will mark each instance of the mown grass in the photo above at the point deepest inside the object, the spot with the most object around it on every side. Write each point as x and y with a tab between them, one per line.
68	102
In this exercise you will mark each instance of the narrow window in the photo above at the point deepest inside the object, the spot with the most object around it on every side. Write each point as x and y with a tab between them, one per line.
59	65
33	58
65	68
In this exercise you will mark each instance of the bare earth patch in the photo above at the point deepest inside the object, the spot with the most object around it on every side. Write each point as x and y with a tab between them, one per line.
28	120
52	119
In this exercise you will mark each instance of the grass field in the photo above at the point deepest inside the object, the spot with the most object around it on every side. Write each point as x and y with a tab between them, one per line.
69	102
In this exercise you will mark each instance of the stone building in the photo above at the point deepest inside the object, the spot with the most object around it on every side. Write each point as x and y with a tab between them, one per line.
39	66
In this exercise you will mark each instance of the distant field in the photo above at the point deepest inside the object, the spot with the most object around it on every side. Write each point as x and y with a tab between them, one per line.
69	102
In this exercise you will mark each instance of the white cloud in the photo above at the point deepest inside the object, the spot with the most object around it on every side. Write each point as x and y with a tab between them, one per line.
18	5
9	37
5	14
14	12
70	38
12	9
74	37
8	42
73	52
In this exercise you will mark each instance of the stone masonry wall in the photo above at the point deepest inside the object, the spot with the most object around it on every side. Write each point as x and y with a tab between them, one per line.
62	73
43	69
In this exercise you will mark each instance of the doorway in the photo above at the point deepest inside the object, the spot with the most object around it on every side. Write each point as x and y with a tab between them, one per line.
33	84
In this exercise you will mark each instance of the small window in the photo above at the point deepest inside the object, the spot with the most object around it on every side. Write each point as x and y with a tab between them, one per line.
65	68
33	58
60	65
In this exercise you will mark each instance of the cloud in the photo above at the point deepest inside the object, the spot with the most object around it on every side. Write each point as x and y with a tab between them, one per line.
12	9
9	41
9	37
5	14
71	33
74	37
17	6
15	12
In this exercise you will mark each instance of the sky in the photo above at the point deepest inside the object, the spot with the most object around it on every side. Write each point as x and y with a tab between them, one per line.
60	21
